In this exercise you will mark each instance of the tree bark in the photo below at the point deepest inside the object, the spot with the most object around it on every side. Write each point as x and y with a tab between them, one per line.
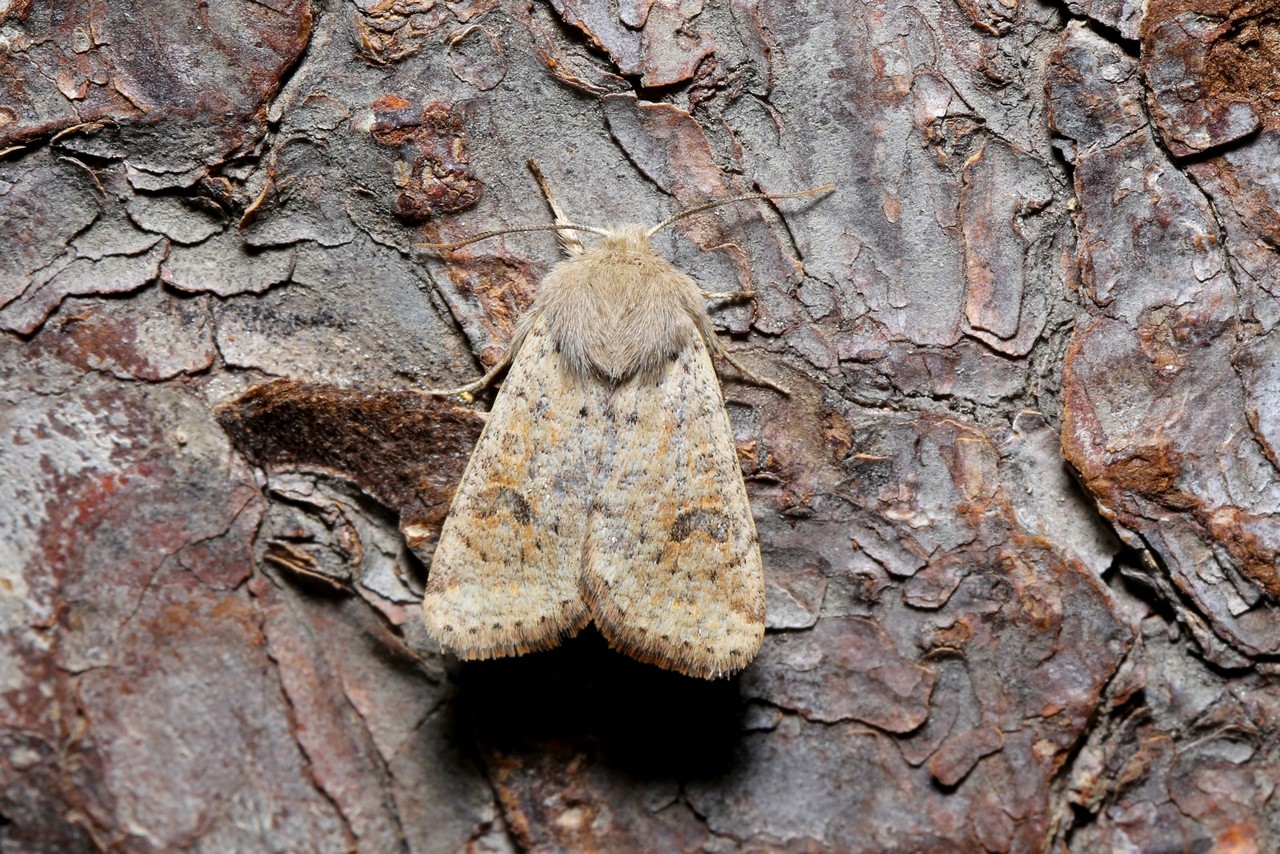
1020	514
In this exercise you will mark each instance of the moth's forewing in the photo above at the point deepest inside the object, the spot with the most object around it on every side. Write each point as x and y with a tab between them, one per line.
672	570
505	576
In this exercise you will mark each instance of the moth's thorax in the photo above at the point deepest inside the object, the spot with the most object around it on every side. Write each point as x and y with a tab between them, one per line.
619	309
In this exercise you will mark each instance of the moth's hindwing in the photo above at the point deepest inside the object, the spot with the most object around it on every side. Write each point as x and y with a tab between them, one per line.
673	573
505	576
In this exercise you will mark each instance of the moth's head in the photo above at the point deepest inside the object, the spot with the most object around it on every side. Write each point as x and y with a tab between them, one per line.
627	240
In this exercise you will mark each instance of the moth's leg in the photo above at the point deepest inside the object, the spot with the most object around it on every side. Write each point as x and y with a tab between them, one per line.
746	372
568	240
728	296
501	365
718	349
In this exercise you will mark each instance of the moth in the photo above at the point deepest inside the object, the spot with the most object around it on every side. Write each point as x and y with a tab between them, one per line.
605	487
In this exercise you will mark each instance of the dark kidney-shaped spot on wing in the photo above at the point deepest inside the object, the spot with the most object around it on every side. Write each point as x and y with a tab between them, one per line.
713	523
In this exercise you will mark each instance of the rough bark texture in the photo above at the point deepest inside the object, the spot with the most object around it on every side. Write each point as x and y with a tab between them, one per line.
1056	235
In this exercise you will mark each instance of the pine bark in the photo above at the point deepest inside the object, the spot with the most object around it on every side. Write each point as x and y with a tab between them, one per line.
1020	514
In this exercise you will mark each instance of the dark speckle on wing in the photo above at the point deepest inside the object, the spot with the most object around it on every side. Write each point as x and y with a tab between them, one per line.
514	503
713	523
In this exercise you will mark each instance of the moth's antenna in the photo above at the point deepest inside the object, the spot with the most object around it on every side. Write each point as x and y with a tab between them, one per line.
522	229
715	203
569	241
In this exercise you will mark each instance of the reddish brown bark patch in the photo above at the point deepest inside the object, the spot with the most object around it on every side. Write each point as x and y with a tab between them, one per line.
103	61
1213	70
405	449
434	171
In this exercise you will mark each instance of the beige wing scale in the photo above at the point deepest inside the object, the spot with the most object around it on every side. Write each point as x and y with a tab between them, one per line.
505	578
672	570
